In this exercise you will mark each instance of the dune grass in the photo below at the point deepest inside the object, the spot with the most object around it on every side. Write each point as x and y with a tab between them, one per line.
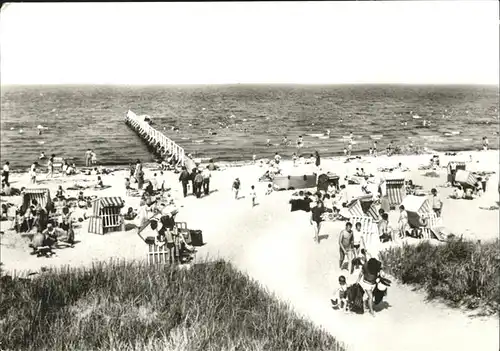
460	272
131	306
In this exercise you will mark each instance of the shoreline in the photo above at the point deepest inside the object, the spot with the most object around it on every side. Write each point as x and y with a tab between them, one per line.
242	163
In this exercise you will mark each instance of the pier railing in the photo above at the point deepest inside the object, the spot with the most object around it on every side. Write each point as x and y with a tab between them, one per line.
154	137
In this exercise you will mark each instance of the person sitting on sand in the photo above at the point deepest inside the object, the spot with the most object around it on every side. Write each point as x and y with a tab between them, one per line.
100	183
149	189
346	241
384	231
269	190
60	191
236	187
458	193
130	214
82	203
468	194
340	295
331	189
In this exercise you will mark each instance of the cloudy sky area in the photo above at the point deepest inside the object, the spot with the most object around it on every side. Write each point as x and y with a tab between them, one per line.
450	42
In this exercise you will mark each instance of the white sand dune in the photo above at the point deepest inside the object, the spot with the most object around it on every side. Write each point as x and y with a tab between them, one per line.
276	247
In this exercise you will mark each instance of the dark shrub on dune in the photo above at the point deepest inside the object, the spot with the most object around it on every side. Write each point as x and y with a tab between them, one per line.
461	272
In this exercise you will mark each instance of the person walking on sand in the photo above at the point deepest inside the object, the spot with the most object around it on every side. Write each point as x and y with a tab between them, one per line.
198	183
346	242
253	196
206	180
316	218
437	204
184	179
236	187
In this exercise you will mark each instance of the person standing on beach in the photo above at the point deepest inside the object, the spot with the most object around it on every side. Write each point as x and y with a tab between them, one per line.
184	179
50	166
375	148
318	159
346	242
236	187
253	196
33	172
316	218
5	172
93	158
88	158
206	180
437	204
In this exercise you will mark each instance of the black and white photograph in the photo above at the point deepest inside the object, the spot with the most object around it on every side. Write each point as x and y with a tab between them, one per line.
268	175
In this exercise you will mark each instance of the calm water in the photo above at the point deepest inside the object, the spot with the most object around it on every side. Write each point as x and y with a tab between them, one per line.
243	118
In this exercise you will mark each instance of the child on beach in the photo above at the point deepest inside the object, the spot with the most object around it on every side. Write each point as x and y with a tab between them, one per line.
340	295
269	189
253	196
236	187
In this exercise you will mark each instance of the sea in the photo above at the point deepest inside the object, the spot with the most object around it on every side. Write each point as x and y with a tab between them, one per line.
234	122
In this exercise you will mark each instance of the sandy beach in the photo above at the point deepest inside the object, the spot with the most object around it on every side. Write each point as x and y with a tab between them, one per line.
276	247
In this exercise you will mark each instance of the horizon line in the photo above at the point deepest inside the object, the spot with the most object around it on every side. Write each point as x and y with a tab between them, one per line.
236	84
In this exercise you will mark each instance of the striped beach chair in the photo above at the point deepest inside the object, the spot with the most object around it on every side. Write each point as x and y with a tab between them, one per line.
434	228
395	191
106	215
42	196
369	229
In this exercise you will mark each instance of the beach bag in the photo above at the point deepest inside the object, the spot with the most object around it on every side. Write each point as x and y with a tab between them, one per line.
196	237
355	297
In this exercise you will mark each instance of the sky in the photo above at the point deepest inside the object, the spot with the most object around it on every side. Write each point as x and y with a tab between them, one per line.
435	42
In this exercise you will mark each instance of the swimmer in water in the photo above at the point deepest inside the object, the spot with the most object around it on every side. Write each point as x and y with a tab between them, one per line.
42	156
300	143
285	140
327	133
39	132
268	142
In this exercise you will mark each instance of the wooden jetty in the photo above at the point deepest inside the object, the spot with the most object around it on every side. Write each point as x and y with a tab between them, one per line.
156	140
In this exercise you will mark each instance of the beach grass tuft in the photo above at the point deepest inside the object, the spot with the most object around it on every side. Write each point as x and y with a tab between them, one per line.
132	306
460	272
